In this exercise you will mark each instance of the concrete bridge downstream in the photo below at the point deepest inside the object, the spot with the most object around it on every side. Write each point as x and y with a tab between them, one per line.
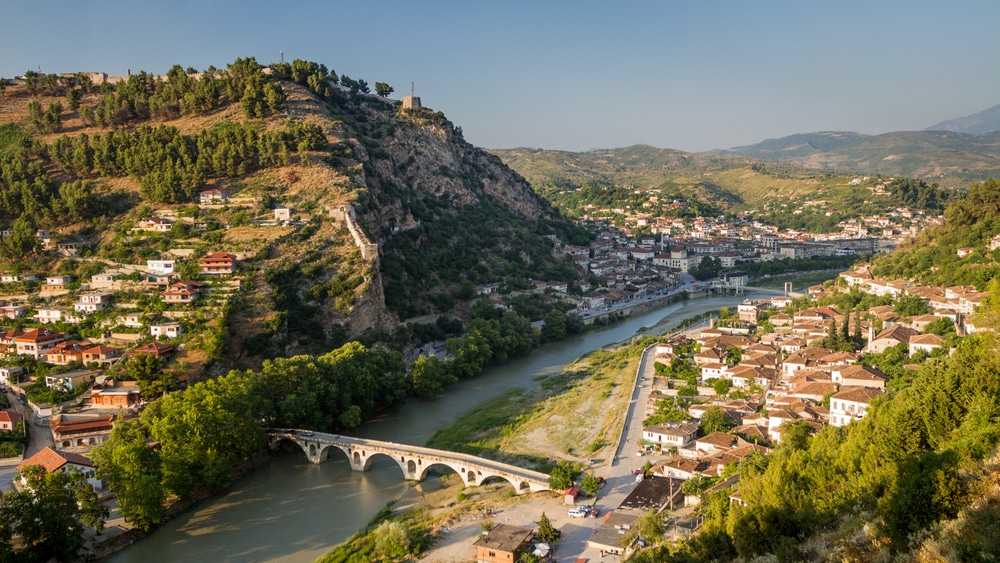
787	292
414	461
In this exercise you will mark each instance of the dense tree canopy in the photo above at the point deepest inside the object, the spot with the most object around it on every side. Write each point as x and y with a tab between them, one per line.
49	516
205	432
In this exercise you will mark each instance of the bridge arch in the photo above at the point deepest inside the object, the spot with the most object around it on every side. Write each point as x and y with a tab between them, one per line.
490	479
467	476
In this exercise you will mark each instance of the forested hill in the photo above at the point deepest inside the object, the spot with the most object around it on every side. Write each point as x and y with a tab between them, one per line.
89	161
964	251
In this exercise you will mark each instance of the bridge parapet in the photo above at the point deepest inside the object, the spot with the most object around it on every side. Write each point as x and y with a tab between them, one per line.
413	461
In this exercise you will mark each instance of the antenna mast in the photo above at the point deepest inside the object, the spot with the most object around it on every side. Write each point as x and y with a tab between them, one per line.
282	55
413	89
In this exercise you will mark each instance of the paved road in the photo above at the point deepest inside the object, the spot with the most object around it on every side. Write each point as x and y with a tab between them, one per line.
619	474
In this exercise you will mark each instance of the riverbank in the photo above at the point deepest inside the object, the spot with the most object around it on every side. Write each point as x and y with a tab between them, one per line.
313	508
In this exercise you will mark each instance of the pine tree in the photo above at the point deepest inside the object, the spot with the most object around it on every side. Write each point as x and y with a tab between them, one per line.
545	532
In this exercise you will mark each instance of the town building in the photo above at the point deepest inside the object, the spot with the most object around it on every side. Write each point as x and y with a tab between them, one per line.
53	461
217	264
851	404
501	544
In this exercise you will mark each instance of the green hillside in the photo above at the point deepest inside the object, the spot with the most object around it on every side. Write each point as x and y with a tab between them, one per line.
722	182
949	158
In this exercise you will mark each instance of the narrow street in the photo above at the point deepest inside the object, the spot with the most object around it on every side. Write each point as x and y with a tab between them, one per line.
620	474
40	434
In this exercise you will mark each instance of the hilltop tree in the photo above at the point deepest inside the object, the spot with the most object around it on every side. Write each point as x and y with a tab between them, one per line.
383	89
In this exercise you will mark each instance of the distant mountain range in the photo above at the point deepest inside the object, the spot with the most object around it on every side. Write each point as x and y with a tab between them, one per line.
946	157
975	124
952	152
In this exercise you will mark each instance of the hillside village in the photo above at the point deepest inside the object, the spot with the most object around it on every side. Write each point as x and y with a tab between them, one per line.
764	384
70	340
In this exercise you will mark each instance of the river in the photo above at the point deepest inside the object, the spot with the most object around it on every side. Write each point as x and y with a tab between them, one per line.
293	511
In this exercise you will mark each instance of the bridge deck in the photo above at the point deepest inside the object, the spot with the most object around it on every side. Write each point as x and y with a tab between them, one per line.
393	449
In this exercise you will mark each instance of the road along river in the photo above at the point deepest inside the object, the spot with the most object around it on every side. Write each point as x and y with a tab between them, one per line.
293	511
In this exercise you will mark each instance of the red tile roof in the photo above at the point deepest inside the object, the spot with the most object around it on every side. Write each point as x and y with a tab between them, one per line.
52	460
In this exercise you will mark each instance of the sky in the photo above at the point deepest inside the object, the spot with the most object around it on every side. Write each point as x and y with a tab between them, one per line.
572	75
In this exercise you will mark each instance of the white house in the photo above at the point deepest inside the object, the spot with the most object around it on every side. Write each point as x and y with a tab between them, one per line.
53	461
926	342
162	267
850	404
92	302
47	315
11	374
71	379
170	330
676	435
133	320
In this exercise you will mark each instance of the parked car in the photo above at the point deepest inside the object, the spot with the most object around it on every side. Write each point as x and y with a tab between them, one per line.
594	512
578	512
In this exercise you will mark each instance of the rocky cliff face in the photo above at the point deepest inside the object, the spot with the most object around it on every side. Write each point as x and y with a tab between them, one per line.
419	174
441	211
438	161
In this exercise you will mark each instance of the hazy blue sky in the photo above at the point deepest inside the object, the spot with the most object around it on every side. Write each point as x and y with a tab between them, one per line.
573	75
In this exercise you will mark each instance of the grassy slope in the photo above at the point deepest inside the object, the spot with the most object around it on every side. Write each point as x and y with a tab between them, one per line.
728	182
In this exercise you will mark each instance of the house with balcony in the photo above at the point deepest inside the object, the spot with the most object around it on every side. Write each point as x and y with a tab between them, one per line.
154	224
213	196
669	435
37	342
55	284
183	292
170	330
217	264
102	355
92	302
52	314
161	267
155	348
66	352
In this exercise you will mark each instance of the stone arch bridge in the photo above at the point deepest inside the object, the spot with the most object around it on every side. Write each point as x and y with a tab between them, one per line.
414	461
